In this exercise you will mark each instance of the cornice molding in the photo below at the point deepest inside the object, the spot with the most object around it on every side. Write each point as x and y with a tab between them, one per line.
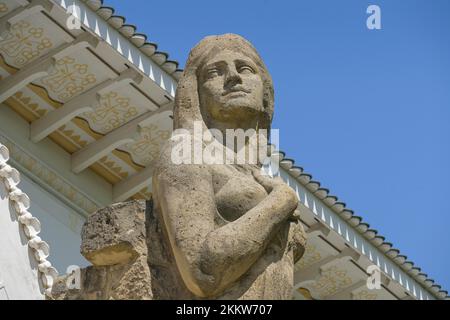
49	179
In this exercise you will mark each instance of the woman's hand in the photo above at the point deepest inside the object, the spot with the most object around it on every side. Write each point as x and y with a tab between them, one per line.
267	182
280	188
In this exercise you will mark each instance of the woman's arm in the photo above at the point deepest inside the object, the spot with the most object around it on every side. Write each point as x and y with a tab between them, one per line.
210	259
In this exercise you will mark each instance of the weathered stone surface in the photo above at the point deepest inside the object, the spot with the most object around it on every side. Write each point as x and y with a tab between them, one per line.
230	231
115	234
166	281
117	282
114	241
211	231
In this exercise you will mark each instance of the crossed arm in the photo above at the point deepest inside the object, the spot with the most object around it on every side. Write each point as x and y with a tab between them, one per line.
209	259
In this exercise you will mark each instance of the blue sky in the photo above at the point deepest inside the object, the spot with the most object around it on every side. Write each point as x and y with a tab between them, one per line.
366	112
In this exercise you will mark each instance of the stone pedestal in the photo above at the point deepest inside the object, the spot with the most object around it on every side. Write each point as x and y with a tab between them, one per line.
129	261
114	241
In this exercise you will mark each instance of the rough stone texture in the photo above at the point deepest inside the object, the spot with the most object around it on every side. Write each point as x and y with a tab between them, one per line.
229	231
166	282
115	282
115	234
221	231
114	241
132	264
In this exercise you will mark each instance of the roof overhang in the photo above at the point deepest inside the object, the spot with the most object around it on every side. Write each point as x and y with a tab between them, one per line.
343	254
104	95
100	91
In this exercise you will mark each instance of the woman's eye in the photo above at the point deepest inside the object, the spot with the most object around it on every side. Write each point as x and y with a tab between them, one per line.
246	69
212	73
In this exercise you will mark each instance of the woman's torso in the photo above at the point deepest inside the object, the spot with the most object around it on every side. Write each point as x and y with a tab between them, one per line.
237	192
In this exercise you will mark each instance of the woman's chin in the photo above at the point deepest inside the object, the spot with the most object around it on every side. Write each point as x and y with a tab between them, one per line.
235	110
240	107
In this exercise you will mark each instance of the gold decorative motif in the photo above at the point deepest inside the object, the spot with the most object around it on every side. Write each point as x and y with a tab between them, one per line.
84	126
9	69
312	255
49	177
305	293
126	157
71	140
113	111
3	7
42	92
331	281
68	78
31	106
143	194
113	167
146	148
365	295
75	138
19	108
24	42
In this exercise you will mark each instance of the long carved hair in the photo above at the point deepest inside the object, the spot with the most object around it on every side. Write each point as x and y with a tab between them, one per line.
187	105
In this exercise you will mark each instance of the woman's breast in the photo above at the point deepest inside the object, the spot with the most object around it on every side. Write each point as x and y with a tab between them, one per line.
237	196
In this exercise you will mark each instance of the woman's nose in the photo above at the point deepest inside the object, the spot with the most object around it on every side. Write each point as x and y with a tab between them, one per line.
232	77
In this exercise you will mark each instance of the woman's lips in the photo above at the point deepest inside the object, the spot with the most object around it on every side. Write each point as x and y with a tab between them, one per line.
236	94
234	91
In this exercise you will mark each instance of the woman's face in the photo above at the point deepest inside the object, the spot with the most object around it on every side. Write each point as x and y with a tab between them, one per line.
230	87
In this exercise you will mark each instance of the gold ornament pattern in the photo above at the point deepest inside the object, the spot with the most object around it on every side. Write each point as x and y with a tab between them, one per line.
31	106
23	43
68	78
3	7
311	256
113	167
331	281
49	177
72	136
113	111
145	149
364	295
143	194
70	140
305	293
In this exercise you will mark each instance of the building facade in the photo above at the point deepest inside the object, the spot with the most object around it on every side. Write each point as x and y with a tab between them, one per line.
85	105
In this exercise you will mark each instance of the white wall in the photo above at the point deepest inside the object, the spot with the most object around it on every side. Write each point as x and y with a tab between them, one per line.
60	226
18	268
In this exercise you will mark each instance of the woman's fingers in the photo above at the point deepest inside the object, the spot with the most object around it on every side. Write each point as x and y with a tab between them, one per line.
266	181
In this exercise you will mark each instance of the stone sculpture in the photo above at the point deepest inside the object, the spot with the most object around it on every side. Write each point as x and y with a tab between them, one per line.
211	231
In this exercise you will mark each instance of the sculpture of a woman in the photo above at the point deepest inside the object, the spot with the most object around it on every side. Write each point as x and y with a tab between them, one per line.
232	232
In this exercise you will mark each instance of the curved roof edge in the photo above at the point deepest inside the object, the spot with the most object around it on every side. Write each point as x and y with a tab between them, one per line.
139	40
161	58
361	227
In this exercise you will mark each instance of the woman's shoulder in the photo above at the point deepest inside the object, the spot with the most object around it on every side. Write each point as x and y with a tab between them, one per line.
178	153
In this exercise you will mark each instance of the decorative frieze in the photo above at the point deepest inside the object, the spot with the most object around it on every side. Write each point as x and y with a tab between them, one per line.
49	177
